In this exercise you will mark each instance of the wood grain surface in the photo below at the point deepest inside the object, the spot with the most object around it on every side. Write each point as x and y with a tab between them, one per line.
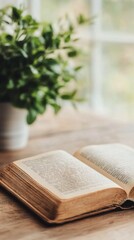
69	130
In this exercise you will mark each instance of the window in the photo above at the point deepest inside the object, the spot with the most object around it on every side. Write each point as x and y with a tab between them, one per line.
108	77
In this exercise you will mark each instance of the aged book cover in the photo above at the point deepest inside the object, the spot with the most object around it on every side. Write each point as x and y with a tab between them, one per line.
60	187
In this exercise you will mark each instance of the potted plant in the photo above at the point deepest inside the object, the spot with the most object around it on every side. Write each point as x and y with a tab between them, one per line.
35	71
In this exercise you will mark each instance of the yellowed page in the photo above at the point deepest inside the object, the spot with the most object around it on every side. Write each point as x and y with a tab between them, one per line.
115	161
63	174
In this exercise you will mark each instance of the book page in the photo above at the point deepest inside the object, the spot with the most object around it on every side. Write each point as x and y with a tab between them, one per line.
63	174
114	161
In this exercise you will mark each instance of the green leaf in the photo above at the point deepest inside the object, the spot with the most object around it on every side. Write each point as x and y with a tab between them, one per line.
23	96
24	54
56	42
16	13
56	107
9	37
67	38
40	108
31	116
73	53
20	83
39	53
47	34
81	19
10	84
78	68
71	27
67	96
33	70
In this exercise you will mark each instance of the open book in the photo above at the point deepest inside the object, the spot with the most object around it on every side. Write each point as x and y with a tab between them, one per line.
60	187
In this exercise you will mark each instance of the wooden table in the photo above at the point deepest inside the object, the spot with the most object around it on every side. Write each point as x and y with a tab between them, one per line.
69	131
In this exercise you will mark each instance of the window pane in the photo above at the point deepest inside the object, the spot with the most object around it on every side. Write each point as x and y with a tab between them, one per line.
118	85
118	15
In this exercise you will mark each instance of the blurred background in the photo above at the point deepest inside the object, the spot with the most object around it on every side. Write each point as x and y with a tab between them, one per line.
107	79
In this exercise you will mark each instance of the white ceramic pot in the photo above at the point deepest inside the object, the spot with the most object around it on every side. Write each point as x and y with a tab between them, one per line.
13	127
